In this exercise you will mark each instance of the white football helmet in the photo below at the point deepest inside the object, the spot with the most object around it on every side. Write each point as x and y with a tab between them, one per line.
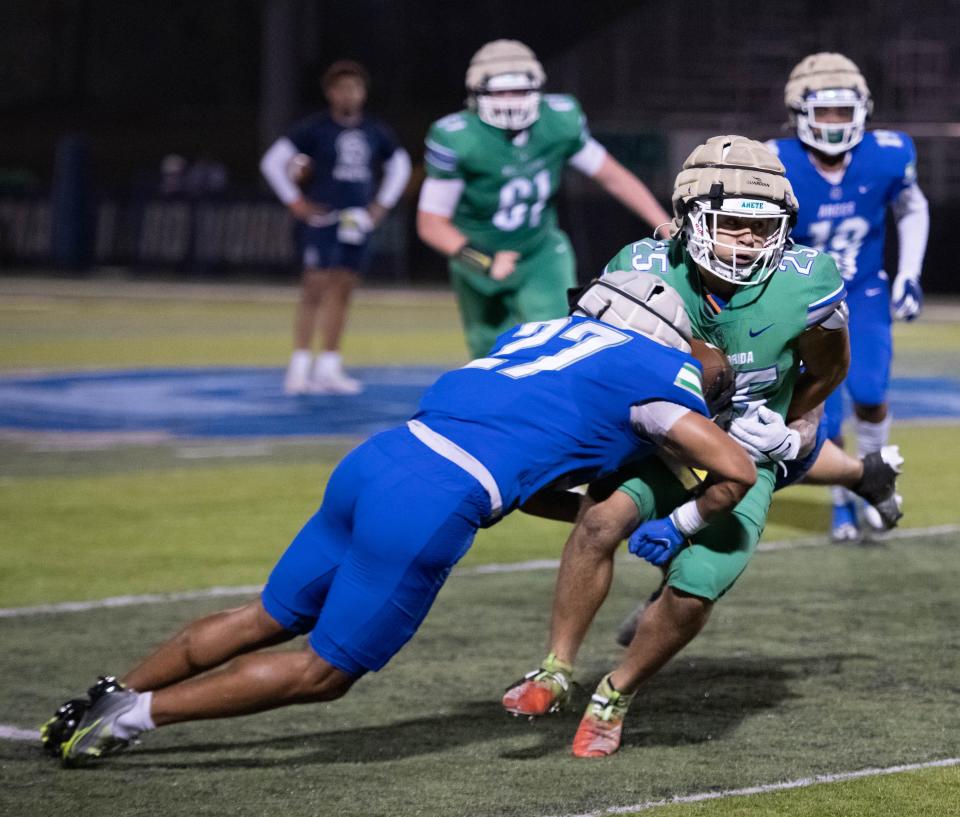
639	301
828	81
503	85
739	177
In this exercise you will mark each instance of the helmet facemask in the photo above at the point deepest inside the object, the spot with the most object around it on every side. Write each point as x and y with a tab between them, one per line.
709	223
503	82
821	82
831	137
731	184
509	101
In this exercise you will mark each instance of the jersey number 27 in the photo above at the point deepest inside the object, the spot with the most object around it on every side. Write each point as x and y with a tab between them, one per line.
588	339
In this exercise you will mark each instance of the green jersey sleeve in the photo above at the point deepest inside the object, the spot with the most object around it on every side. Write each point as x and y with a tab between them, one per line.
826	291
649	255
446	146
565	118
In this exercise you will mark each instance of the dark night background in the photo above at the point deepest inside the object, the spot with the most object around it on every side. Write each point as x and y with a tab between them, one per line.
133	82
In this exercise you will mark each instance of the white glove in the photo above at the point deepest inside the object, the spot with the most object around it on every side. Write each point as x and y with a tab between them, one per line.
765	436
355	225
907	298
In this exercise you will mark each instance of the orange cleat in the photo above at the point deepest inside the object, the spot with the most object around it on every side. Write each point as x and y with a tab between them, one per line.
601	728
541	691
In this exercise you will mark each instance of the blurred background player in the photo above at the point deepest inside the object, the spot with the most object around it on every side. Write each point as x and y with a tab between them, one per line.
336	157
845	178
488	203
363	572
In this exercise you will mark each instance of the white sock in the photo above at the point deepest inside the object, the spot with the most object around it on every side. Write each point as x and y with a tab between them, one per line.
300	362
136	719
872	436
327	363
840	495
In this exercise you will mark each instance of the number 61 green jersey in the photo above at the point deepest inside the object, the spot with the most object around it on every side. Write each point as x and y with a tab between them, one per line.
759	326
510	179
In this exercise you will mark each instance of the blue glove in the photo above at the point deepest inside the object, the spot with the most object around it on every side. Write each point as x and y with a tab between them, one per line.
656	541
907	298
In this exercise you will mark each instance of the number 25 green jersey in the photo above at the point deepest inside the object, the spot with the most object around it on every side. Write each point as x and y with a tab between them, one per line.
759	326
510	179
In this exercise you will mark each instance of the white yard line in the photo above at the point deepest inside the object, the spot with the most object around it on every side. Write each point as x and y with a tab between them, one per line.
15	733
479	570
8	732
767	788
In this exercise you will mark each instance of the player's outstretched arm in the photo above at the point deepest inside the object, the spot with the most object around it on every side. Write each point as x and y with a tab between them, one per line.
697	442
826	357
631	193
439	233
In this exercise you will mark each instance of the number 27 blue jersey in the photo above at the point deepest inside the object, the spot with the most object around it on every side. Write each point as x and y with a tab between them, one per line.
553	400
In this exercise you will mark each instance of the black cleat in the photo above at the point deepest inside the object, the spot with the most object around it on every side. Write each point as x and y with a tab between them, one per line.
878	488
60	728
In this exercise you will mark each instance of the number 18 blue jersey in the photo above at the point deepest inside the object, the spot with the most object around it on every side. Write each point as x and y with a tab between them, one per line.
848	220
553	400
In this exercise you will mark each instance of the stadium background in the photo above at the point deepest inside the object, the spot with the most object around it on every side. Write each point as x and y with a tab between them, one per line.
99	91
823	661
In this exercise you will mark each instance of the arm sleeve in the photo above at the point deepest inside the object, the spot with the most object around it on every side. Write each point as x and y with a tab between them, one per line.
274	166
829	288
574	124
912	214
653	420
589	158
396	174
440	196
442	160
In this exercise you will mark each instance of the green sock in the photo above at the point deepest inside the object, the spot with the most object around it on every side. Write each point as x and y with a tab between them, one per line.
553	664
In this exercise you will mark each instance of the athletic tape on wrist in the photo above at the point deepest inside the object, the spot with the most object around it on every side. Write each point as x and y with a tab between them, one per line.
474	258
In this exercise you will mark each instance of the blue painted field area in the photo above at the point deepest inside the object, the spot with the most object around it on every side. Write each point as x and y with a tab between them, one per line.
237	402
207	402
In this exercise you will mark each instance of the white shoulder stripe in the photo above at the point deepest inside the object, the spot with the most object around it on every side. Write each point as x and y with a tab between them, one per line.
837	294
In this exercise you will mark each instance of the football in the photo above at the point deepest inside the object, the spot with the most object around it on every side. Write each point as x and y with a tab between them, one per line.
300	170
718	376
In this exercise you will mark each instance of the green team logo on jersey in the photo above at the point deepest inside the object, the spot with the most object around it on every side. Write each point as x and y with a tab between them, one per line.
688	379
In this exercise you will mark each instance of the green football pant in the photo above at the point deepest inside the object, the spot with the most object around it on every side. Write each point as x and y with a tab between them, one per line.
718	554
536	291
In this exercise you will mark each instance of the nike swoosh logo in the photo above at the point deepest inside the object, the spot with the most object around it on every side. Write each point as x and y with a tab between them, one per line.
873	291
759	331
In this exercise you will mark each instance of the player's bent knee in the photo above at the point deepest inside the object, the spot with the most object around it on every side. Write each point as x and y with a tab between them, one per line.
688	610
321	681
602	527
